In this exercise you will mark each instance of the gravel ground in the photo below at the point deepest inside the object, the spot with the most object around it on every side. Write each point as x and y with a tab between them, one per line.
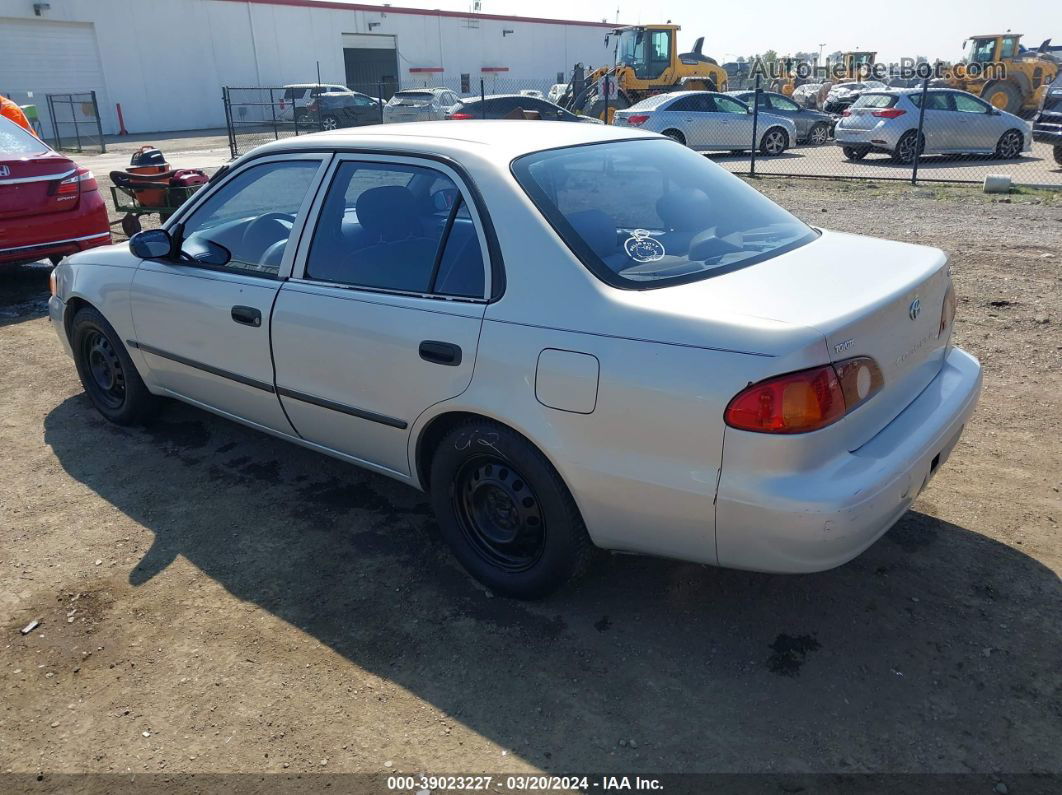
214	600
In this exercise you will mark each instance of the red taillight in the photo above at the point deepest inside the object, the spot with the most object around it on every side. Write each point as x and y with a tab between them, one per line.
461	116
637	120
82	180
888	113
846	113
805	400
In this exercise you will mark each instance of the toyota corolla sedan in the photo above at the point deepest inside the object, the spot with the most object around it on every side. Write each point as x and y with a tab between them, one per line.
569	335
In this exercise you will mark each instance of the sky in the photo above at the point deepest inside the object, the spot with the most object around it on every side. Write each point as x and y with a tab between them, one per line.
895	29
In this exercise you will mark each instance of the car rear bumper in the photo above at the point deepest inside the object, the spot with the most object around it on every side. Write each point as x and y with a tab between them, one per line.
876	138
35	237
816	520
1047	133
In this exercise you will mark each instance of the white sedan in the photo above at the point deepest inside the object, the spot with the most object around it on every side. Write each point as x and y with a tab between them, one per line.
570	335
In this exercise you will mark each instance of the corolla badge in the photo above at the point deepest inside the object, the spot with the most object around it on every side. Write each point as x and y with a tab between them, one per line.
643	248
4	171
914	309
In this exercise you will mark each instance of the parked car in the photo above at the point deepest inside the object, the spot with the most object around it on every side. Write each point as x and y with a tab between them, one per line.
556	91
1047	124
49	205
568	334
333	110
806	95
513	106
531	92
956	122
420	104
843	95
708	120
298	96
812	126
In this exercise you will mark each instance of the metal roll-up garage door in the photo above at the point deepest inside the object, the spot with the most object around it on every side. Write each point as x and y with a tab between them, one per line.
48	57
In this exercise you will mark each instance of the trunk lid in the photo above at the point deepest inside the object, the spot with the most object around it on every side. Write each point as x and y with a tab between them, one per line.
29	184
858	293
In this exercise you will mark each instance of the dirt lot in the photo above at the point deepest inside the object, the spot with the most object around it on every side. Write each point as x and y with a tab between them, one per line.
214	600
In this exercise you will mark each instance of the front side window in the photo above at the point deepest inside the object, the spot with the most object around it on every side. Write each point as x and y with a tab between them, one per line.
252	215
1009	48
396	227
964	103
647	213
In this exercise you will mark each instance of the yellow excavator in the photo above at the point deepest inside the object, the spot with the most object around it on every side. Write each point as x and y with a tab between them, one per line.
647	62
855	66
998	69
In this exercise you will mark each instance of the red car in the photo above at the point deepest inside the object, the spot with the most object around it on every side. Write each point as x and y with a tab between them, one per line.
49	205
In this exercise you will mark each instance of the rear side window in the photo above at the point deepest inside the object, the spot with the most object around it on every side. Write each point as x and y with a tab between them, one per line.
935	100
396	227
649	213
875	101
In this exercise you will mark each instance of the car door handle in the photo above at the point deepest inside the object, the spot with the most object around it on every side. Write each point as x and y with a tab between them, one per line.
445	353
247	315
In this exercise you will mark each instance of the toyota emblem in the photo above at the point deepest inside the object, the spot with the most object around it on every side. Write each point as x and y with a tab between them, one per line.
914	309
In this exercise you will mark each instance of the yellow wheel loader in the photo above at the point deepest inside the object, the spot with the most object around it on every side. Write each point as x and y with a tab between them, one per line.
647	62
998	69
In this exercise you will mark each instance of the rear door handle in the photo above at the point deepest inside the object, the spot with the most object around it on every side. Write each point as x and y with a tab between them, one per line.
445	353
247	315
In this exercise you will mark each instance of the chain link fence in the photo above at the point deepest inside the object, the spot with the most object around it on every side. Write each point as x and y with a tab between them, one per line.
915	132
76	121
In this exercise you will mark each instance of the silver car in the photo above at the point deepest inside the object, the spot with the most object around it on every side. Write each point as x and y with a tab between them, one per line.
420	104
569	335
708	121
956	122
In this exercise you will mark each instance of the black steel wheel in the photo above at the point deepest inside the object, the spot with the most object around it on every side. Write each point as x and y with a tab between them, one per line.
505	512
107	373
500	516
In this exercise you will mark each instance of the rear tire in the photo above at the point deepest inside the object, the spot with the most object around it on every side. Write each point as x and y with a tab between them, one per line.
675	135
854	153
1010	145
908	147
107	373
505	512
774	142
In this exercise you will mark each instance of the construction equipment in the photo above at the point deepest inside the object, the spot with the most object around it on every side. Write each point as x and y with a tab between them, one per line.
647	62
1002	72
855	66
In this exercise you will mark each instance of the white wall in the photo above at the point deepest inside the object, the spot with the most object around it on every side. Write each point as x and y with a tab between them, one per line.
165	61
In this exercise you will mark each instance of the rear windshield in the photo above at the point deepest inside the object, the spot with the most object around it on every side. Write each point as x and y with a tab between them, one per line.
411	98
652	102
875	101
14	140
294	93
650	213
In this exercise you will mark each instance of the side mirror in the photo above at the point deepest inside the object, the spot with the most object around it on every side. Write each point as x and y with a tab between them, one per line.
151	244
201	251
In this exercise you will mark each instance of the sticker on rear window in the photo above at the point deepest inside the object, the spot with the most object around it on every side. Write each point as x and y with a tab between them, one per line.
643	248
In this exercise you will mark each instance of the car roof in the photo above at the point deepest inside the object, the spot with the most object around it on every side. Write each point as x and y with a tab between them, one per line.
498	141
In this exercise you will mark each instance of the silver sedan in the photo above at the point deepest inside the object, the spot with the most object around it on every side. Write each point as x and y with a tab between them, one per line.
709	121
569	335
955	122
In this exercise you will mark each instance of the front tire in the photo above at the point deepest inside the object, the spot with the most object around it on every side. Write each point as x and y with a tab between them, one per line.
1010	145
675	135
505	512
1002	95
107	373
774	142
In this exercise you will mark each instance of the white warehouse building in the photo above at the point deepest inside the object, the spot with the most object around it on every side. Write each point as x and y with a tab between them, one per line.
165	61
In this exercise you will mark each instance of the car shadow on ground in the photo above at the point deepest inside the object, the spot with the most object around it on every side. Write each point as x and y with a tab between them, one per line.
948	161
936	650
23	292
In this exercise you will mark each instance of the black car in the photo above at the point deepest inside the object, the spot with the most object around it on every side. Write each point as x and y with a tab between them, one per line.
1047	123
513	106
335	109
